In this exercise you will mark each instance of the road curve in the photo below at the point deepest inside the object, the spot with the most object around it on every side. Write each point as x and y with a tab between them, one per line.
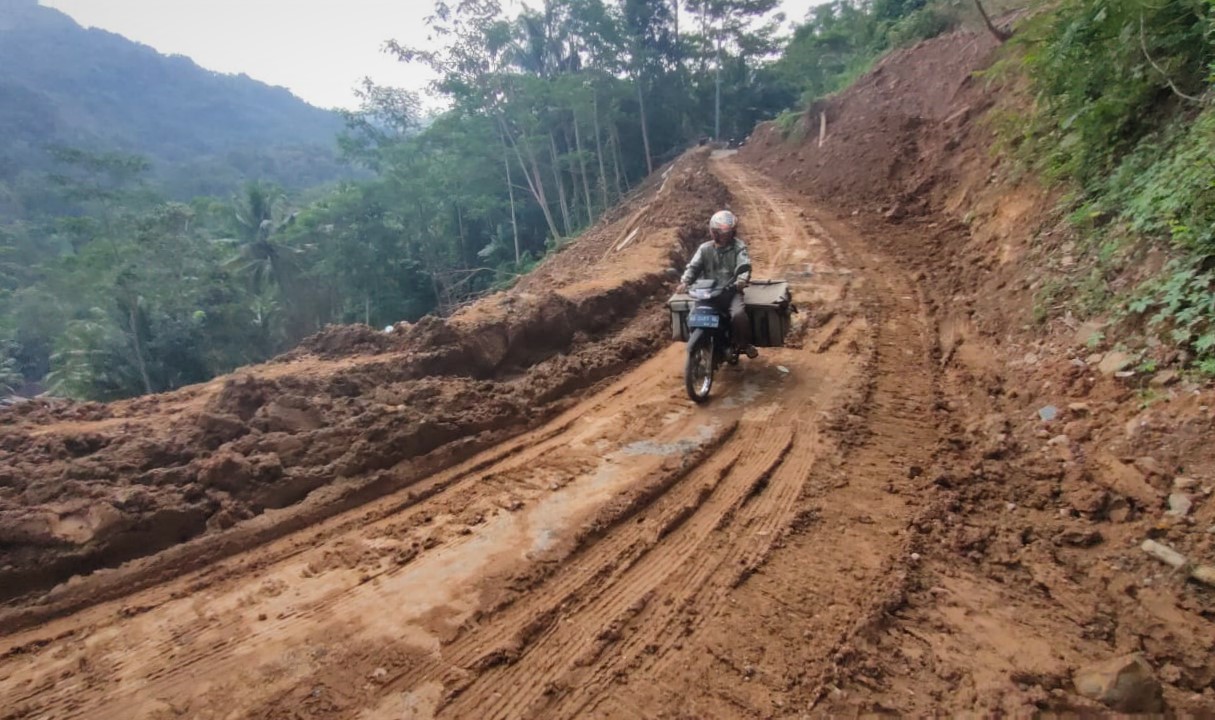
637	556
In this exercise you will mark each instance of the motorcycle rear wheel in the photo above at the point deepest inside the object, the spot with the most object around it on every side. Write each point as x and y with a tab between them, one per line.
698	370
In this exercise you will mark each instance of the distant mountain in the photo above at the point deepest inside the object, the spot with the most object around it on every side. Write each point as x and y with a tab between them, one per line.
205	132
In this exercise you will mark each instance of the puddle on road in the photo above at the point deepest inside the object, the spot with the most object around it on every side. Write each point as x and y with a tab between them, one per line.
679	447
551	516
747	394
443	580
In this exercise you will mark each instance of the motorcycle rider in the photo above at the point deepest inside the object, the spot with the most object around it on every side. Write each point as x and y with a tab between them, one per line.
719	260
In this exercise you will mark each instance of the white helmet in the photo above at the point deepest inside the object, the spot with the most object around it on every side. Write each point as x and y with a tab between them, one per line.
723	221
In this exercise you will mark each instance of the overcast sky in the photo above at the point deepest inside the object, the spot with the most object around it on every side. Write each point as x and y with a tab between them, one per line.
319	49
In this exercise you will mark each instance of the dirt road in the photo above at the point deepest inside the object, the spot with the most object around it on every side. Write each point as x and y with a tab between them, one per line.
635	557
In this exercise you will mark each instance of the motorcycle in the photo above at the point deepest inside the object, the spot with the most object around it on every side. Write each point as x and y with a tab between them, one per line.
709	341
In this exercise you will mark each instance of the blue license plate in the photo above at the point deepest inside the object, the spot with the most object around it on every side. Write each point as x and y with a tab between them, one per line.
704	320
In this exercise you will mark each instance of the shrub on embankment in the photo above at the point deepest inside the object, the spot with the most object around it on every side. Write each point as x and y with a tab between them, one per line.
1123	118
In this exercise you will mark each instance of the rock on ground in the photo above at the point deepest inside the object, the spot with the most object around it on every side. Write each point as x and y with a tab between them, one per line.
1125	684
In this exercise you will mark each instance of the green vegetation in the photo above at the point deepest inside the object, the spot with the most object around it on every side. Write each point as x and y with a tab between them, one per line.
841	39
113	283
1124	115
202	133
109	288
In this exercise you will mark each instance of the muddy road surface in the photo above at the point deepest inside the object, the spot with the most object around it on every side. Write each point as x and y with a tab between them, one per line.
637	556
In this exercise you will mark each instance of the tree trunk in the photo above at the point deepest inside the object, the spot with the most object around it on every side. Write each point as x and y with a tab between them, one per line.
441	302
704	33
603	187
678	54
565	207
645	131
133	318
586	183
996	32
717	94
542	197
425	253
573	172
534	183
622	178
460	230
510	190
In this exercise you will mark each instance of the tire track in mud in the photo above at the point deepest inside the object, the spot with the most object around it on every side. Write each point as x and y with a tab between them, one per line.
586	630
663	628
744	539
636	535
204	641
793	634
211	642
679	583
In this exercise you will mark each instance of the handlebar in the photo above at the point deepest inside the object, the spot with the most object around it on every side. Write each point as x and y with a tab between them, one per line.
707	293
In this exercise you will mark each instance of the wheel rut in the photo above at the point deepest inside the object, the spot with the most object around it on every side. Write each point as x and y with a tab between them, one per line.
729	558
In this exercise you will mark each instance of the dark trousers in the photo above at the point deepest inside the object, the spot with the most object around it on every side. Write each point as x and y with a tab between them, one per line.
740	324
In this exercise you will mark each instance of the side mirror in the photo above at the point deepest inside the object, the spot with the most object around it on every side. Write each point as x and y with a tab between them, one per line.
743	269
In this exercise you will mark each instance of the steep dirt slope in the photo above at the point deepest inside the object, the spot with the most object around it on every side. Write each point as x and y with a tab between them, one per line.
923	504
615	541
351	415
1064	457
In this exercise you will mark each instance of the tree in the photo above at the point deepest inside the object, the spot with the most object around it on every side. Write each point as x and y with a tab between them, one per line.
648	29
734	30
10	371
260	215
386	117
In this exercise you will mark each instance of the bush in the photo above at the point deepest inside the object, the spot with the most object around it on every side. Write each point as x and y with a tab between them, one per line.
923	24
789	122
840	41
1096	66
1124	116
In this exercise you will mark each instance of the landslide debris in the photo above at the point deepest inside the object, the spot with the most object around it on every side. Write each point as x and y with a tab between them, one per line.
1064	455
89	486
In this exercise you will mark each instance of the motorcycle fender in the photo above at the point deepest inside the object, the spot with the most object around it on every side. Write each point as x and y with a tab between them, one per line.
695	338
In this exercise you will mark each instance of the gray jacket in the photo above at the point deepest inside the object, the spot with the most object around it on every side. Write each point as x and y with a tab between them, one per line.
709	263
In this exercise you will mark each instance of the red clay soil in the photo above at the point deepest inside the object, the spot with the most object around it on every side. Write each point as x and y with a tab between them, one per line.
1035	569
925	504
89	486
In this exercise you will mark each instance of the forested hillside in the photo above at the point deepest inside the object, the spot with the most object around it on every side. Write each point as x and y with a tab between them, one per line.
203	132
1124	126
975	478
111	290
552	115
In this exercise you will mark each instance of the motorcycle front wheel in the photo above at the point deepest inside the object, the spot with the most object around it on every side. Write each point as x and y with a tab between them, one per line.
698	371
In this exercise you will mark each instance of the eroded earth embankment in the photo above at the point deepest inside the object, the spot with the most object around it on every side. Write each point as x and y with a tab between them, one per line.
921	504
1064	456
349	415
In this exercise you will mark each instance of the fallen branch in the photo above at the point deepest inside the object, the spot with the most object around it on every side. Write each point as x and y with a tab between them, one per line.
1204	574
1163	74
1001	35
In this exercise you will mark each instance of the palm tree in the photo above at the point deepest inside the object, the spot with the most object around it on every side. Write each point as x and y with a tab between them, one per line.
10	374
261	214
